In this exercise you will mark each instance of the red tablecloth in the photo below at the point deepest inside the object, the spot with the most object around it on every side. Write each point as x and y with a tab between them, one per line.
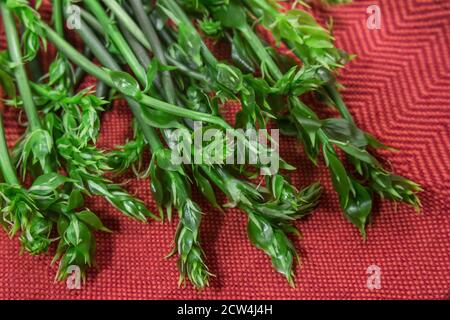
398	89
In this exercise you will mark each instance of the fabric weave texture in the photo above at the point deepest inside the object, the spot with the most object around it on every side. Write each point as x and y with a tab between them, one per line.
398	88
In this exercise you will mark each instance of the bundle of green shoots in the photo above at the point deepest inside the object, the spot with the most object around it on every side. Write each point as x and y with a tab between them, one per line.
173	82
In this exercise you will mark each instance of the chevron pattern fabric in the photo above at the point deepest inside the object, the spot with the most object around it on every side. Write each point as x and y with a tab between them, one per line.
398	88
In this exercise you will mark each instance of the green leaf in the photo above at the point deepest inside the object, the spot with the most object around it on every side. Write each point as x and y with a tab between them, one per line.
205	188
341	181
99	188
7	83
152	72
62	224
344	131
37	145
375	143
92	220
242	54
191	216
156	186
360	154
287	128
164	161
191	43
319	43
260	231
283	255
210	27
232	15
277	186
77	232
76	200
48	183
230	77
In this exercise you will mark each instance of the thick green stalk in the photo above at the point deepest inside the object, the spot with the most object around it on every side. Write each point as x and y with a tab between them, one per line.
7	168
13	42
58	21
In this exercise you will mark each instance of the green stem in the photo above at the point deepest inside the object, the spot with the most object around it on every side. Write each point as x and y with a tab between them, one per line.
116	37
123	16
79	73
144	58
13	42
155	43
260	50
190	73
141	53
7	168
102	75
58	21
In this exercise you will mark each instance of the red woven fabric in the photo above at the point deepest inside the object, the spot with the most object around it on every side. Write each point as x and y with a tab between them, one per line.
398	89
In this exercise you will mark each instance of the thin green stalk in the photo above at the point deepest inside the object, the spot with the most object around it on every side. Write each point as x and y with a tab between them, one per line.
190	73
13	42
7	168
34	68
79	73
101	90
329	87
339	102
143	58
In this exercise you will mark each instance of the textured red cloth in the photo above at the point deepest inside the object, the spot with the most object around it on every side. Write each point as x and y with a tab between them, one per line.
398	89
